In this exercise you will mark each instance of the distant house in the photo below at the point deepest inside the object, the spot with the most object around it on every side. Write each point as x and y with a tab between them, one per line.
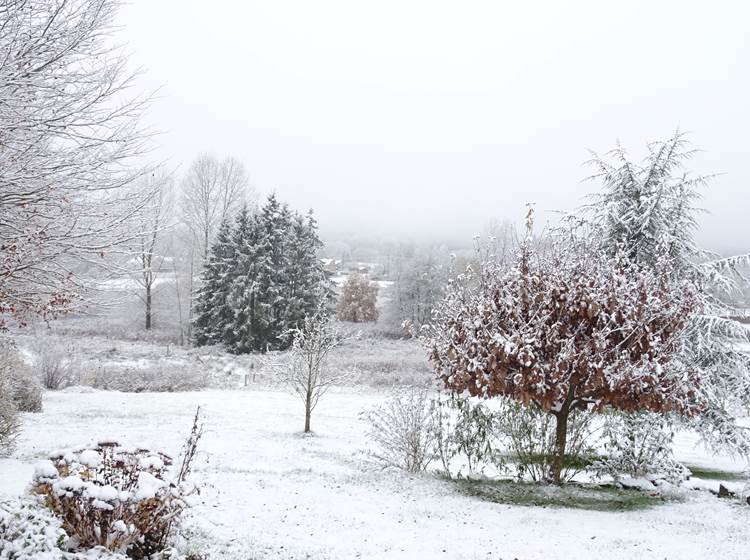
331	266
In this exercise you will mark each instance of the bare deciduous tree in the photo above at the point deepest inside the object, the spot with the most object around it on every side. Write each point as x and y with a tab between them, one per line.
307	374
155	219
212	190
69	132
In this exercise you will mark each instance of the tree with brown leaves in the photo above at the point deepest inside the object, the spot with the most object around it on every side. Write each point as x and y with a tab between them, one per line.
358	299
568	328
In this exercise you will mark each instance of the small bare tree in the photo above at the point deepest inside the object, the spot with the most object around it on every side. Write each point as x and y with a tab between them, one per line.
307	373
212	190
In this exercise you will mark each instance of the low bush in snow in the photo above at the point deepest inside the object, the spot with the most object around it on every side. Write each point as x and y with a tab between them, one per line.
28	531
23	386
529	435
381	363
403	430
639	445
55	362
9	421
10	424
151	377
125	500
465	429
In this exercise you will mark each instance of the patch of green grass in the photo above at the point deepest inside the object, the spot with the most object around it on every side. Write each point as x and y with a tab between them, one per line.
574	496
576	462
716	474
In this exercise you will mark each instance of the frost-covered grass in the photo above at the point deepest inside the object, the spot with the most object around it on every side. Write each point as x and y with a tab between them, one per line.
271	493
144	365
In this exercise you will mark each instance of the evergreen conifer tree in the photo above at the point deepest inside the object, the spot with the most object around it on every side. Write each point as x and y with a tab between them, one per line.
262	280
213	313
649	211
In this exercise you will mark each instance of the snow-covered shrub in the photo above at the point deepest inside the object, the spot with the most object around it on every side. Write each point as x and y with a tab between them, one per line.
28	531
159	377
24	387
125	500
530	437
465	428
639	445
403	430
9	421
55	362
10	425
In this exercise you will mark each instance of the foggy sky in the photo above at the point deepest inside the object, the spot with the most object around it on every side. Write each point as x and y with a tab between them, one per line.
426	118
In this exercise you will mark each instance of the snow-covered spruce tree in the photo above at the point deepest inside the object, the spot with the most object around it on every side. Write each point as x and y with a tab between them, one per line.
263	279
69	135
275	221
648	209
307	285
213	315
357	300
250	312
567	328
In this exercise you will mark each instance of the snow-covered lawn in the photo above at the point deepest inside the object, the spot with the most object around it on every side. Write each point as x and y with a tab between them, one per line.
272	493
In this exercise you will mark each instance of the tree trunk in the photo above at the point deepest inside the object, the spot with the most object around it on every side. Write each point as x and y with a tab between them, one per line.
561	437
148	307
308	413
190	301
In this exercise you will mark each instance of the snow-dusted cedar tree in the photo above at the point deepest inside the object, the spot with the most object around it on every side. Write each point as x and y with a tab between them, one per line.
358	299
647	209
568	328
69	137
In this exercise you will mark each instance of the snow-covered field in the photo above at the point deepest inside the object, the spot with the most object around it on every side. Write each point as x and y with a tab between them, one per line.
270	492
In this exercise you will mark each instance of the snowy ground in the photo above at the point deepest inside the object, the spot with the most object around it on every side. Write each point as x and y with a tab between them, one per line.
272	493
